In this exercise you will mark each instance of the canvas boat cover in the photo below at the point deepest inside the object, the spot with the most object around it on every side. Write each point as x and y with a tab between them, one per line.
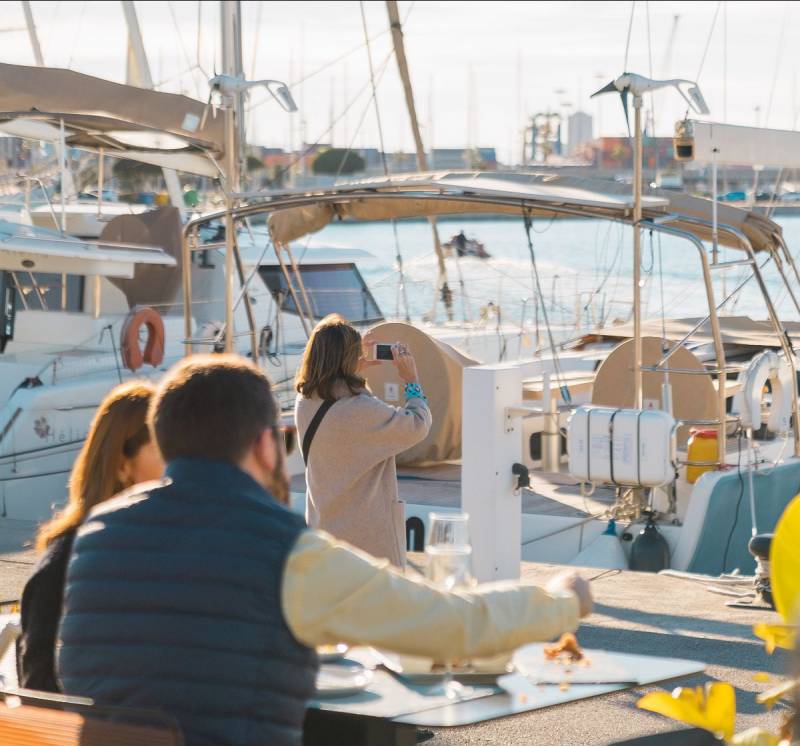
739	331
542	195
126	121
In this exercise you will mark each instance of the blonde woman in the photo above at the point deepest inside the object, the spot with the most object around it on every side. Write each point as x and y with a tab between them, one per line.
117	454
351	477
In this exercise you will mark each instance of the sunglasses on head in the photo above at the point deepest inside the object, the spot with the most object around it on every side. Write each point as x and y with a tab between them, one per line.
289	434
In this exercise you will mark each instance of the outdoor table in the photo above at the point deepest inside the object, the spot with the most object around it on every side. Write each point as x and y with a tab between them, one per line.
389	711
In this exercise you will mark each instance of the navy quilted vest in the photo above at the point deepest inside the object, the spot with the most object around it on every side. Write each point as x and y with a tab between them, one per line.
173	601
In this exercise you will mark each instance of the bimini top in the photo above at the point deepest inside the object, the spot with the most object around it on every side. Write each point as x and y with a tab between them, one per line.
548	195
25	248
163	129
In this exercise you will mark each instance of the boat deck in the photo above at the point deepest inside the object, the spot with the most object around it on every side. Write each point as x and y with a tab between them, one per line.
635	613
440	487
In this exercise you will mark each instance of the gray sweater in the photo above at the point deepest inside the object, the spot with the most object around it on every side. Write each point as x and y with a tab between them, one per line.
351	476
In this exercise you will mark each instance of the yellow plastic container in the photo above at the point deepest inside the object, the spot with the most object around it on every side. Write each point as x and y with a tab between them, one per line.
702	446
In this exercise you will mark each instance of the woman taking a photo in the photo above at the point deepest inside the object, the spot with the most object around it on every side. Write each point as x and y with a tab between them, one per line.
351	477
118	453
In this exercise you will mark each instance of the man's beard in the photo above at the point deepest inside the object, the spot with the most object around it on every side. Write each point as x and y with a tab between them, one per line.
278	484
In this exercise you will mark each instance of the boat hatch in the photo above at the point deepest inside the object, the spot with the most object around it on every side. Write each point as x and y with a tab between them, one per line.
331	288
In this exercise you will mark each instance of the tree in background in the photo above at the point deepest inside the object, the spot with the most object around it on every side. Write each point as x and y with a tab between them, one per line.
137	177
338	161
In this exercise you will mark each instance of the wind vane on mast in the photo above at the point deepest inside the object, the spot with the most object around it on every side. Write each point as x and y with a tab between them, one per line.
638	85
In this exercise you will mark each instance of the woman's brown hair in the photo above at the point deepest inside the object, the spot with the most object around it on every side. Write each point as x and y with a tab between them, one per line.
331	355
118	430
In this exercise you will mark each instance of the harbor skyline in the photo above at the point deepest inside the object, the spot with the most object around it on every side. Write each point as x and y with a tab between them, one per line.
473	88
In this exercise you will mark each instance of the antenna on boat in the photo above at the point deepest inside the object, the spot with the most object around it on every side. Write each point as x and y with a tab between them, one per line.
637	85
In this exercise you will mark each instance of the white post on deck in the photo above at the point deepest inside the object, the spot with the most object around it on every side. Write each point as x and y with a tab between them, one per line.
491	444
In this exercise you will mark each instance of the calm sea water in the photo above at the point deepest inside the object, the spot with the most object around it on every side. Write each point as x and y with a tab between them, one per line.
585	268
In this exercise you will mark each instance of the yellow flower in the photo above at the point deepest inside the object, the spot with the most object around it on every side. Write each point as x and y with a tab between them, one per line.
712	707
784	560
770	697
756	737
776	635
762	677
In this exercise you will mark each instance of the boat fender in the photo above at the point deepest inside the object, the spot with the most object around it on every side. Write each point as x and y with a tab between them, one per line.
133	357
649	551
767	366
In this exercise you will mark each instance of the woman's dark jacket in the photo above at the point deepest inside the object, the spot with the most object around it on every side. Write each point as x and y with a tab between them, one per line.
41	611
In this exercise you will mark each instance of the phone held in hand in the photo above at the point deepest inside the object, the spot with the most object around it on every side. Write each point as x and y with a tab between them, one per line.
383	351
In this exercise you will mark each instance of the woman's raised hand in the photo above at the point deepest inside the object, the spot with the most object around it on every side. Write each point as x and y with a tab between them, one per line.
405	363
367	345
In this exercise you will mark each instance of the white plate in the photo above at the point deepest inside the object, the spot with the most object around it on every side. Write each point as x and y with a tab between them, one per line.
342	680
600	667
331	653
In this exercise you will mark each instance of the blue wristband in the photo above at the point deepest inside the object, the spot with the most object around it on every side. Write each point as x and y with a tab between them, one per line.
414	391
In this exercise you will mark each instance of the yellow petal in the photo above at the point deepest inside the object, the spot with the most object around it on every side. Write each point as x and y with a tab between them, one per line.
761	677
776	635
712	707
756	737
770	698
784	561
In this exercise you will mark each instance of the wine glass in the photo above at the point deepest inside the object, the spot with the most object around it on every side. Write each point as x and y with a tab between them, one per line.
449	566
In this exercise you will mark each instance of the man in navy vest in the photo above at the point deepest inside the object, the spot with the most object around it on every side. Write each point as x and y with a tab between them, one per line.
203	595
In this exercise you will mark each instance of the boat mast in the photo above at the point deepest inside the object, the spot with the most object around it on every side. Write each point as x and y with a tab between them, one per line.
422	161
233	107
34	37
141	68
637	253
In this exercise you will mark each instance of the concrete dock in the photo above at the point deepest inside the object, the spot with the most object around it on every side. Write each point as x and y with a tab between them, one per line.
635	613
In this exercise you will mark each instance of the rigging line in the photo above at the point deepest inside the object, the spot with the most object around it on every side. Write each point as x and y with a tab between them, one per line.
77	35
323	68
255	40
398	252
778	56
183	47
565	395
708	42
652	95
628	40
334	61
309	148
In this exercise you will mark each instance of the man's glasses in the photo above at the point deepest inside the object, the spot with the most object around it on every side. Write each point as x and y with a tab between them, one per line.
289	434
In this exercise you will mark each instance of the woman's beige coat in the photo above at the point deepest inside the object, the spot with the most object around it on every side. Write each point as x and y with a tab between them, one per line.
351	477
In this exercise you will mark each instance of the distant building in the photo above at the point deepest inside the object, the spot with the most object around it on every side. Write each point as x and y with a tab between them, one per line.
447	158
579	132
615	153
461	158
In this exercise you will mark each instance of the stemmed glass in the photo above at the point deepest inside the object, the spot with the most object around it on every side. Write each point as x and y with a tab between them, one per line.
449	566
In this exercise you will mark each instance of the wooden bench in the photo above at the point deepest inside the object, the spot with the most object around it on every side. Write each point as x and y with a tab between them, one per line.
29	718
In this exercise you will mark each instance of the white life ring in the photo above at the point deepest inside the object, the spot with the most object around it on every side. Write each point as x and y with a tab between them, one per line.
766	366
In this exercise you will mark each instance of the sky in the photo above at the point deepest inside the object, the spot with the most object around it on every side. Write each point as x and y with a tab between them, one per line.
478	68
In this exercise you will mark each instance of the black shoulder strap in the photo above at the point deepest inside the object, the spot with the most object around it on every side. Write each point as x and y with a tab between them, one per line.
313	426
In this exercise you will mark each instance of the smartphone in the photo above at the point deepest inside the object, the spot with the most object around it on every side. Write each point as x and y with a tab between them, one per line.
383	351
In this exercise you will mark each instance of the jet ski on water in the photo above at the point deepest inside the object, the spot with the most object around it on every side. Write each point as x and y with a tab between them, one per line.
462	246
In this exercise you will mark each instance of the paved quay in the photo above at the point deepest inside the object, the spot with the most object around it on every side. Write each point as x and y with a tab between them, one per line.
635	613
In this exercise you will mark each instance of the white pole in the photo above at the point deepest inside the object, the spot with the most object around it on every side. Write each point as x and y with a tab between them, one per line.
491	444
637	255
62	164
34	37
143	72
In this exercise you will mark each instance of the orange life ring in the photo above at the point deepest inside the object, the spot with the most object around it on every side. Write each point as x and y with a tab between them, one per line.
132	355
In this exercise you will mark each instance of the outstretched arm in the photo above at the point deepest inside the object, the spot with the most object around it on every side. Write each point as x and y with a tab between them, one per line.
335	593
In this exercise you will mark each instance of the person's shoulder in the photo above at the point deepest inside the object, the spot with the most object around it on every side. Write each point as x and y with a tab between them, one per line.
128	498
58	550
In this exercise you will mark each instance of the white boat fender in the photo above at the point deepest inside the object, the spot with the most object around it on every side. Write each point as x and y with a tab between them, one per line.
605	551
766	366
